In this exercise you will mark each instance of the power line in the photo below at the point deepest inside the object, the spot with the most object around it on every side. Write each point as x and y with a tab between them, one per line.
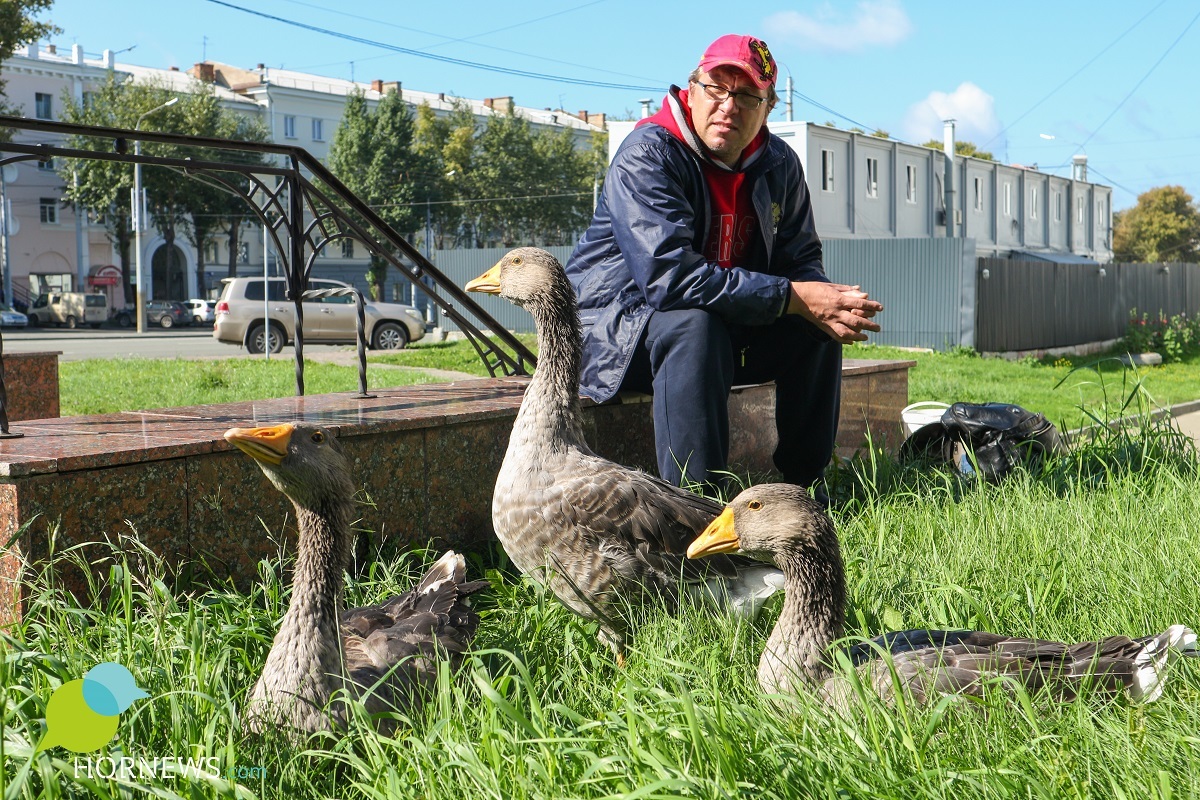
1110	180
1073	74
448	40
433	56
1091	61
1153	67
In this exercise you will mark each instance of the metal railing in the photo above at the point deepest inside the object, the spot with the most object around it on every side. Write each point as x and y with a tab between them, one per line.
303	207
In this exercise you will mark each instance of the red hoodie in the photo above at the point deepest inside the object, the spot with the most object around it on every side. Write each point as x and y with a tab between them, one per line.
733	224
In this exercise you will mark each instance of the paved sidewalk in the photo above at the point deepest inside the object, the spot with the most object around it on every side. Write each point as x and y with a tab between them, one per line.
1187	417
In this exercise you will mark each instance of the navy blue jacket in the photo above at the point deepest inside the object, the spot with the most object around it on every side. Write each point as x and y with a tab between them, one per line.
643	250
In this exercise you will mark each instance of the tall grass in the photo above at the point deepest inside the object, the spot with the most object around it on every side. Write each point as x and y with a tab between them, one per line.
1102	541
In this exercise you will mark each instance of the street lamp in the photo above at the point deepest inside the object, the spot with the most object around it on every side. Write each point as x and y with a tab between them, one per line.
139	221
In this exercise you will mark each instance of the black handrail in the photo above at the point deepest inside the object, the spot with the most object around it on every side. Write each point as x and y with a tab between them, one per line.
309	206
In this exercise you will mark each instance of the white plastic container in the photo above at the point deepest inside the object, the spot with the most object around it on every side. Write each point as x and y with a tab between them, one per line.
917	415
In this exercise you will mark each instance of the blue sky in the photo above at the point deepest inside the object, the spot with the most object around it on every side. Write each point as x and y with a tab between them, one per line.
1116	80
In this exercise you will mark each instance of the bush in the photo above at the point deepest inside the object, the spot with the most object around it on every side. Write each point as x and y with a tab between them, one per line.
1174	339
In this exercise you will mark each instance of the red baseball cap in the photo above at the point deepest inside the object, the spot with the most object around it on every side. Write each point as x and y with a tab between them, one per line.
747	53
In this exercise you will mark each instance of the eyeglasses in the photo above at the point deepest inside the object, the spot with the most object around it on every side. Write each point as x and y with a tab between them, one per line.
744	100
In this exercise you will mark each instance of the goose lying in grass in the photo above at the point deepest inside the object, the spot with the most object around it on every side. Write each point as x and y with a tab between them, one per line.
602	536
781	524
386	655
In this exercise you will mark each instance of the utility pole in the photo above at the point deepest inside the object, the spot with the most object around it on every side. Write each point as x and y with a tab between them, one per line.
4	211
139	220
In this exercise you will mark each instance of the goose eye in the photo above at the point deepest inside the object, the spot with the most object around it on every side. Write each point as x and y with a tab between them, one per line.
754	505
318	437
516	261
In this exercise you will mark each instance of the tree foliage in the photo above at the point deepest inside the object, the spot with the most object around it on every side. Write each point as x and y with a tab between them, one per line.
447	181
18	26
372	153
176	204
1163	226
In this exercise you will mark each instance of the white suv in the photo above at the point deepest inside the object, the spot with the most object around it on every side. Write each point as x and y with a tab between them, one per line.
329	320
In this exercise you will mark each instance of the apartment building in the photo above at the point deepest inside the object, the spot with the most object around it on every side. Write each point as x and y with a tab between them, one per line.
864	187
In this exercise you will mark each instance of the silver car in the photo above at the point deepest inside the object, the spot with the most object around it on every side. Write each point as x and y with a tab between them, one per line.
328	320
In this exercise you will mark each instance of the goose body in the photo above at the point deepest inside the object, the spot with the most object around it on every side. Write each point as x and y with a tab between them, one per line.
782	525
385	655
603	537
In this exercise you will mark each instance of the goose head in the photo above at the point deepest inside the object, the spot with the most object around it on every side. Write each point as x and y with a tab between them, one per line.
525	276
766	522
304	461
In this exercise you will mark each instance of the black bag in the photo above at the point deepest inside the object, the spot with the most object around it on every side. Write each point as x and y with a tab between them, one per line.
993	436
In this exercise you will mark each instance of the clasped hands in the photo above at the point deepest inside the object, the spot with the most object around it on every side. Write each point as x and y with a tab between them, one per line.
844	312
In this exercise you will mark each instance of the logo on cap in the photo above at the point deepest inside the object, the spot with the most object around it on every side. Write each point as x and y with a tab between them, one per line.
761	58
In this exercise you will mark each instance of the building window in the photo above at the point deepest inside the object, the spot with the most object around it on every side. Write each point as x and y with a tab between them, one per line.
46	166
979	194
827	170
1079	210
289	126
243	252
347	248
43	105
910	183
48	210
1058	206
1008	199
1033	202
318	130
872	177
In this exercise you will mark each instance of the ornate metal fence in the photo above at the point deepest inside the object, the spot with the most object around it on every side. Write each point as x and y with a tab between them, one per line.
303	207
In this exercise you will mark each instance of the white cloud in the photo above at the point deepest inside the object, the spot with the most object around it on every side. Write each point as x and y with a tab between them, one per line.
973	109
873	23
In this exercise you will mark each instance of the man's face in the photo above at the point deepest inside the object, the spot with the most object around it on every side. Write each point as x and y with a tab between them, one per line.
726	128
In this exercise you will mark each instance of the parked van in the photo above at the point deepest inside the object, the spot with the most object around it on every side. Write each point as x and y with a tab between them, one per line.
69	308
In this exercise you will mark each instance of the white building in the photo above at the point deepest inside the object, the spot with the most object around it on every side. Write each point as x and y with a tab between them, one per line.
864	187
48	247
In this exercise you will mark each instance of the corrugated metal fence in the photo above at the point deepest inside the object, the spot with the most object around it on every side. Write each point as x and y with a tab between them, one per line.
926	285
1030	305
937	294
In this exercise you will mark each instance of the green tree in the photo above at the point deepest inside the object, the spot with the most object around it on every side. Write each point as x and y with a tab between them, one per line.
962	148
1163	226
194	206
105	186
372	153
442	154
531	187
210	209
18	26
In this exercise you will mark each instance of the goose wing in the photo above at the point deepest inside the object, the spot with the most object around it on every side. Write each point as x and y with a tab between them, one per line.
930	662
642	525
394	647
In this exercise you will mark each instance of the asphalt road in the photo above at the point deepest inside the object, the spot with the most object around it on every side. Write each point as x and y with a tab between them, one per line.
195	341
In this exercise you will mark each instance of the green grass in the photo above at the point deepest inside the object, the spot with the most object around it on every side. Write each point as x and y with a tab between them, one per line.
1102	542
1058	387
458	355
103	386
1049	386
